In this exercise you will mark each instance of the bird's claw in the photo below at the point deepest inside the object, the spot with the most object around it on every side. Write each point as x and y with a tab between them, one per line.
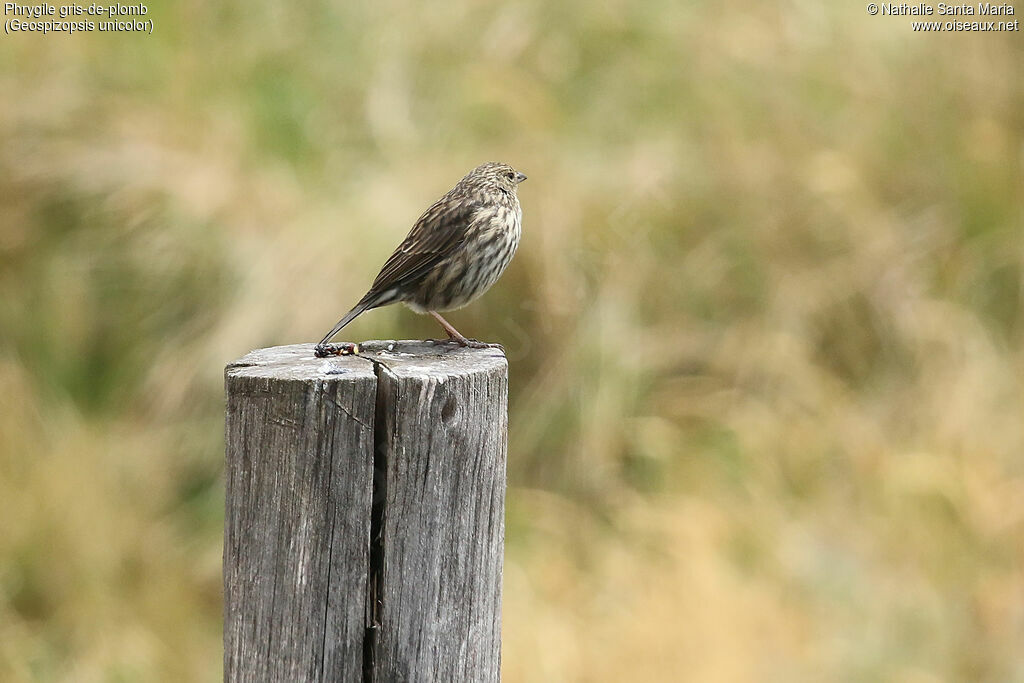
474	344
470	343
466	343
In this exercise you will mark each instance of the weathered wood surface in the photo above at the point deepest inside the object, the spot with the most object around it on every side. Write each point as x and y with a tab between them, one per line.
299	485
444	431
365	514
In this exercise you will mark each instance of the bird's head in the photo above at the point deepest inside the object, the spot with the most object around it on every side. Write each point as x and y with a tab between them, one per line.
495	175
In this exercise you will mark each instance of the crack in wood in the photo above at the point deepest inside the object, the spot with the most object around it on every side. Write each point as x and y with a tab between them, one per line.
378	500
364	515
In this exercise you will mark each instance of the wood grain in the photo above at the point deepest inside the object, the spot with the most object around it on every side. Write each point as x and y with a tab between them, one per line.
333	572
443	426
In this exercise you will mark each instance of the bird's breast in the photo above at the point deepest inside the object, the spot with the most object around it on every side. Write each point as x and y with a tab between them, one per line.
485	253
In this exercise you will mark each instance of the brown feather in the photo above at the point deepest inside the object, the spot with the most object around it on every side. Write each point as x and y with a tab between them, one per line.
455	251
438	233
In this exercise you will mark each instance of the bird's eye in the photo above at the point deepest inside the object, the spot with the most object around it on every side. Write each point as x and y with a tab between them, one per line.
510	175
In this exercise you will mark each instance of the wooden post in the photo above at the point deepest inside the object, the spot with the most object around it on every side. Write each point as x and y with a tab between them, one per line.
364	524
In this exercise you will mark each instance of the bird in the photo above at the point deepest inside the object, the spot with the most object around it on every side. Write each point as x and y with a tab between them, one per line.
454	252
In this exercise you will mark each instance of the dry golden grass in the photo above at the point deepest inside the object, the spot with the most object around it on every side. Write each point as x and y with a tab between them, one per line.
765	326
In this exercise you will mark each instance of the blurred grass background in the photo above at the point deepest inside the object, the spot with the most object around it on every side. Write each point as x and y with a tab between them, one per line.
765	325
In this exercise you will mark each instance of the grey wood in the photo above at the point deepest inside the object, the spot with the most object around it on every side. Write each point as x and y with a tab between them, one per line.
335	572
299	453
442	424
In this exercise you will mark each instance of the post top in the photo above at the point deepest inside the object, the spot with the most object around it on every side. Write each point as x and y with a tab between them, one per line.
402	357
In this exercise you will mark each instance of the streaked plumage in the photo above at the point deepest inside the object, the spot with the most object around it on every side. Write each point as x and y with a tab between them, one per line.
457	249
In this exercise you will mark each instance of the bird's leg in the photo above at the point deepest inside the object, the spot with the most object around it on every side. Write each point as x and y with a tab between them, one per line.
455	336
448	327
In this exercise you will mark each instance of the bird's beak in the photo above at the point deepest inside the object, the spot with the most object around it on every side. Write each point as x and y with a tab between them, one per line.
520	177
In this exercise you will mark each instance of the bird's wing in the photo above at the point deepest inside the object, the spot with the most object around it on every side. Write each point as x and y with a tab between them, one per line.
438	233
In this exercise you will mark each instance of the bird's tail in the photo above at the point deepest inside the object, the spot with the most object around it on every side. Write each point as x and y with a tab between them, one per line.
349	317
373	299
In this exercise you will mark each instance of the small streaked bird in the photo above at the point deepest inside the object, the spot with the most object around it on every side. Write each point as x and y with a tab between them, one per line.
457	249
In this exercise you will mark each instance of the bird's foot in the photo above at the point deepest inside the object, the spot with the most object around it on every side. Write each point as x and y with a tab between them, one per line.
342	349
474	344
469	343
